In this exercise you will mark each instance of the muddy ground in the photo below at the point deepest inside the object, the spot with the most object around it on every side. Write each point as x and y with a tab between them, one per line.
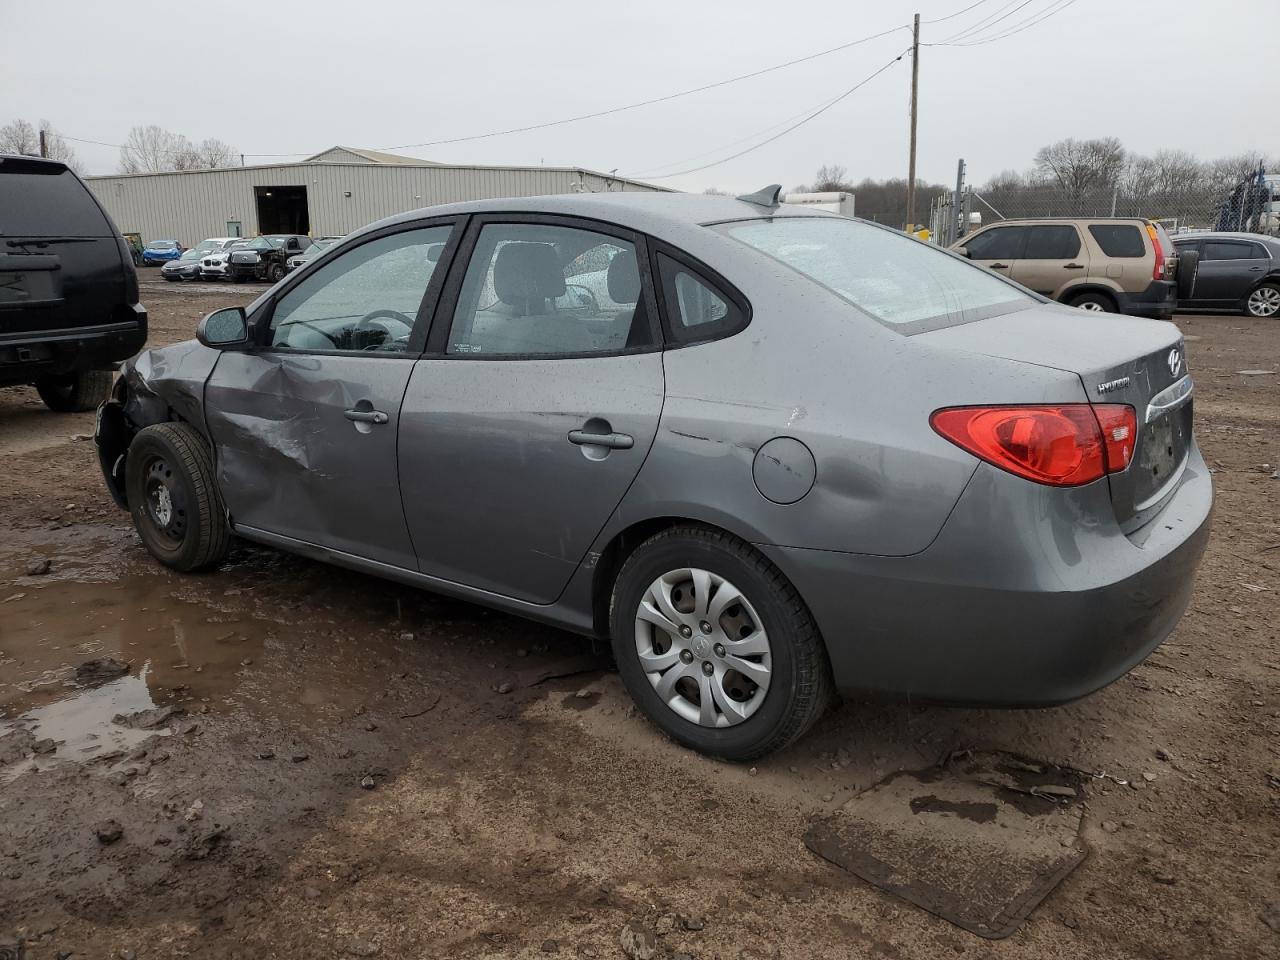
346	779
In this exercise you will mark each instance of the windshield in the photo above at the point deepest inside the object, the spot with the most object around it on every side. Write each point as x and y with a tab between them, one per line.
204	246
192	254
162	245
892	277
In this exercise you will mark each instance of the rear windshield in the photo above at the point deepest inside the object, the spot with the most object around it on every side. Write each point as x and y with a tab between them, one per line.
894	278
42	200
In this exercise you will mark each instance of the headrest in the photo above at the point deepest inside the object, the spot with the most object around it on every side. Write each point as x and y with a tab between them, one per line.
525	272
624	278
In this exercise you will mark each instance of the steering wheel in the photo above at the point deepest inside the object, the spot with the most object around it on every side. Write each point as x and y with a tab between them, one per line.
370	321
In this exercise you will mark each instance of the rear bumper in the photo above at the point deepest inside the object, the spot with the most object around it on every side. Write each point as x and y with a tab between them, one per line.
1159	301
28	355
1017	602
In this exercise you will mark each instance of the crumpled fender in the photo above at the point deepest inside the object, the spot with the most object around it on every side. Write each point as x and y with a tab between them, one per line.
156	386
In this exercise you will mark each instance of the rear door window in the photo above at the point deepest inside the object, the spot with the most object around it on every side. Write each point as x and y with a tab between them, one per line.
1119	239
1231	250
1052	242
46	200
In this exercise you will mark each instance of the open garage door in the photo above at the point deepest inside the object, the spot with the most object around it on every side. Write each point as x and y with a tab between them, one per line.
282	210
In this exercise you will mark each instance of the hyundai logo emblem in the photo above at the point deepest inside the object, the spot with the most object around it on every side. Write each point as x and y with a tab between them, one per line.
1175	361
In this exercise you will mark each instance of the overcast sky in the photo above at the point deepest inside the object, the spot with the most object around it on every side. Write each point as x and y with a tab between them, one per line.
297	77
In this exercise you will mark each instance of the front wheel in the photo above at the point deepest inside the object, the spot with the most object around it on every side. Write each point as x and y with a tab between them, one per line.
173	497
75	392
1263	302
715	645
275	273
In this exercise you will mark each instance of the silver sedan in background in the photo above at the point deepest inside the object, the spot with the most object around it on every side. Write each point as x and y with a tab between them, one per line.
771	453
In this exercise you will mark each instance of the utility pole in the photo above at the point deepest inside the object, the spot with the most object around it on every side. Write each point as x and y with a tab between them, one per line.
957	206
915	83
44	144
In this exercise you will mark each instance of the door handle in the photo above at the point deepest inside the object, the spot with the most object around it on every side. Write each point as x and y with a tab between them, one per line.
999	266
1255	269
366	416
614	441
1074	266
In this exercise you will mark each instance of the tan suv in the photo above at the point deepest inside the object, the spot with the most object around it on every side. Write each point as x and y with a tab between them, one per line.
1112	264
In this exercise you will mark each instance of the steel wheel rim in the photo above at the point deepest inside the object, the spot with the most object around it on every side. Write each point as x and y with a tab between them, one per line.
163	501
1264	302
703	647
1092	307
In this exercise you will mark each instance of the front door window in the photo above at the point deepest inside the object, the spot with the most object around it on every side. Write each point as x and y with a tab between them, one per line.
365	300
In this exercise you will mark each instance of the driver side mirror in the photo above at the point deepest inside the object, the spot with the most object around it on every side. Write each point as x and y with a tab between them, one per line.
224	329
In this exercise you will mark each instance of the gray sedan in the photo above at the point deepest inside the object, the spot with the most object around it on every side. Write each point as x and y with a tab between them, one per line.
771	453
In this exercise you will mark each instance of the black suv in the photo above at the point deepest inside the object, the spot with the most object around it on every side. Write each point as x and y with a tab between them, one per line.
69	306
265	258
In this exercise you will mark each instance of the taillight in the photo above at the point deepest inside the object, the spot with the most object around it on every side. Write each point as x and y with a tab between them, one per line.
1157	272
1064	445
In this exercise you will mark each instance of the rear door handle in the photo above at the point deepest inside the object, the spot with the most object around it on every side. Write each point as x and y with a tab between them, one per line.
999	266
614	441
366	416
1074	266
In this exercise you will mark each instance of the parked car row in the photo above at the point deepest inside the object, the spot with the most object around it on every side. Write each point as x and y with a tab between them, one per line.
1132	266
245	258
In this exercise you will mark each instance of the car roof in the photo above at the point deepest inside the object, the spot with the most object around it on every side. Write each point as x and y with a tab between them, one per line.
1224	235
660	214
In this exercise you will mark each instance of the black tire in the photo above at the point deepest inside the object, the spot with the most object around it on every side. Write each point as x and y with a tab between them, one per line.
800	688
237	278
275	272
1258	302
174	457
1098	302
75	392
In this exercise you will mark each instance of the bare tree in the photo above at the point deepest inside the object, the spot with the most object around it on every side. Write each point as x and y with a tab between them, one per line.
1225	172
1162	174
216	153
831	177
152	149
716	192
23	138
1077	165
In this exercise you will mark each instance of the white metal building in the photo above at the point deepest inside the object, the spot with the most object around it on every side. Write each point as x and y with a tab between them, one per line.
330	194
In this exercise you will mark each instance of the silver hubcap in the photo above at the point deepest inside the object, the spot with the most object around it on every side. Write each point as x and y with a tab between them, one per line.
703	647
1092	307
1264	302
164	505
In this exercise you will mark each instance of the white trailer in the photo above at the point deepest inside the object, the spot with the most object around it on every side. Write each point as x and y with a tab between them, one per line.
835	201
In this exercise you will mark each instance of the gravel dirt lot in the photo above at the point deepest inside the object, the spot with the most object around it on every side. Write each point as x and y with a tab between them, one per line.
349	778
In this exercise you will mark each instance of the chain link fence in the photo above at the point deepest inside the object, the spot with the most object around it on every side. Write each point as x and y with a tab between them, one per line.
1251	206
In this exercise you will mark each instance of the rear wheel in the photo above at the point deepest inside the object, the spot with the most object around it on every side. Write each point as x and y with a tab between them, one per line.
173	497
1263	302
75	392
1094	302
716	646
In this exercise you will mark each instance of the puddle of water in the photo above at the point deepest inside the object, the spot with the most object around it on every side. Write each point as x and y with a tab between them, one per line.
180	651
82	724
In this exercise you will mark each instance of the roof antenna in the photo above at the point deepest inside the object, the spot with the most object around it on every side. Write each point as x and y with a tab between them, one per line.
770	196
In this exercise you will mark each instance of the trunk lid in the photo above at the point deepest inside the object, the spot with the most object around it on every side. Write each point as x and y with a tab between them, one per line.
1118	360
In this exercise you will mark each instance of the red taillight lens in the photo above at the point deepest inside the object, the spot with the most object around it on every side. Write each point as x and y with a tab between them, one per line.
1064	445
1157	272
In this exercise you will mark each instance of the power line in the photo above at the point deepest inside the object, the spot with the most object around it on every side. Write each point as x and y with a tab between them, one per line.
811	115
991	19
952	16
1022	25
